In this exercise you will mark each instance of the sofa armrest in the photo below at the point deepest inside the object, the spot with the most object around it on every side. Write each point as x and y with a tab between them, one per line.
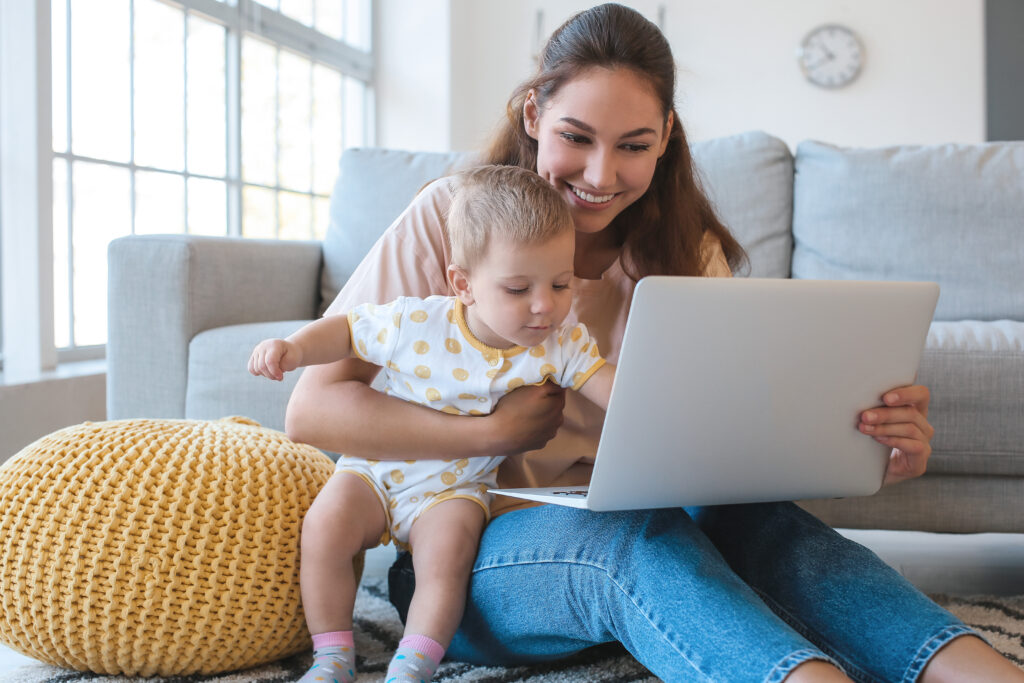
165	289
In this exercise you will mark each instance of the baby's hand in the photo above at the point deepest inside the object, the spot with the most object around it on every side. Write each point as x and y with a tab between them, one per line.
274	357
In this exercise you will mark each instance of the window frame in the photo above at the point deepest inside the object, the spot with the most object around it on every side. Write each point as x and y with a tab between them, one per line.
27	272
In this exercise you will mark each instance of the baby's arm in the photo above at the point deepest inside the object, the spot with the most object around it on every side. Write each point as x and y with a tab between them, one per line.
323	341
598	386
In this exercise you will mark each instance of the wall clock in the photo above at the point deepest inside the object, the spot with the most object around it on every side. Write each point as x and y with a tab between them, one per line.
831	56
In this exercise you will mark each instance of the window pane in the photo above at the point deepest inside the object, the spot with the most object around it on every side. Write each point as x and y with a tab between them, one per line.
357	23
207	207
159	203
355	112
299	10
328	18
59	52
259	139
206	116
296	216
321	216
159	85
326	128
101	213
272	4
294	127
100	79
61	295
259	215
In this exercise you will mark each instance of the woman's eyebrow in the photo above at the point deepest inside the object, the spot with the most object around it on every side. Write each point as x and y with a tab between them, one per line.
590	129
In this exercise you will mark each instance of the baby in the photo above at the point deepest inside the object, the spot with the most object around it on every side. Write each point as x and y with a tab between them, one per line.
512	239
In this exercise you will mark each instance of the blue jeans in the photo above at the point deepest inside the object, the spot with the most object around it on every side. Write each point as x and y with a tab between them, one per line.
727	593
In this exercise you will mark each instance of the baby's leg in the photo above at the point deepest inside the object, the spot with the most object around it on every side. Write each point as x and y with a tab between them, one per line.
345	518
444	542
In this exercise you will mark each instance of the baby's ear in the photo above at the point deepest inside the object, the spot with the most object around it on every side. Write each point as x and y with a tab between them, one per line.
458	278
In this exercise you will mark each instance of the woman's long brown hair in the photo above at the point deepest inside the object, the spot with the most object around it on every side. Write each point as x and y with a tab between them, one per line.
661	232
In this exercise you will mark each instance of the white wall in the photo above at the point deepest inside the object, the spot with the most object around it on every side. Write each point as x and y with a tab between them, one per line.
412	39
923	79
34	409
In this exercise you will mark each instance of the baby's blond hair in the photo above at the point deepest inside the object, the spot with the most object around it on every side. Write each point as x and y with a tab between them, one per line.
507	202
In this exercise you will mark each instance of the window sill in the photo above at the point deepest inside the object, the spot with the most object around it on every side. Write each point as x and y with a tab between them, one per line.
70	370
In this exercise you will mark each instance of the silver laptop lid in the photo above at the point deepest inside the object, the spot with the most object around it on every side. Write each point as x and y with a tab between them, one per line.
735	390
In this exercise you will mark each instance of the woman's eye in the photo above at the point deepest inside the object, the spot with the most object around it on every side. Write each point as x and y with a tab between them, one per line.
636	147
575	139
513	290
560	287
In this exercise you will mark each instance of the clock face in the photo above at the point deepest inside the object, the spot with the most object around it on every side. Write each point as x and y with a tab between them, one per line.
831	56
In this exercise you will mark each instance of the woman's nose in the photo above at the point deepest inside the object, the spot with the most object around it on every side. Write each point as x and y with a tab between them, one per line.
600	171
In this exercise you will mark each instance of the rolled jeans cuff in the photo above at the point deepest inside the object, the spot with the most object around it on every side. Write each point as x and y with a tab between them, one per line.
933	645
784	668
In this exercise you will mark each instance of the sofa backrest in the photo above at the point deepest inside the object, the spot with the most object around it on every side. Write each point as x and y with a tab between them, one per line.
748	177
952	214
749	180
373	187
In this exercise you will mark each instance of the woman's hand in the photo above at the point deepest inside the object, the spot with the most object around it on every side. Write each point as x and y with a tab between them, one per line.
902	423
527	418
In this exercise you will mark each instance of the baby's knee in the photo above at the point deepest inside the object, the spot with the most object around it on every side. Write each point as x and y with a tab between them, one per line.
326	528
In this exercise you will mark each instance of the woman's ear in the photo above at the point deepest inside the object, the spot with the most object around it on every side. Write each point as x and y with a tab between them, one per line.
531	114
667	133
458	278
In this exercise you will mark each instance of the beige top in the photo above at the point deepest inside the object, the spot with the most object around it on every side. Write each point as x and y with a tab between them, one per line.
410	259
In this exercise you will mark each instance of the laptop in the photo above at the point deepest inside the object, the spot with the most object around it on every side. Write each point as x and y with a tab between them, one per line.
741	390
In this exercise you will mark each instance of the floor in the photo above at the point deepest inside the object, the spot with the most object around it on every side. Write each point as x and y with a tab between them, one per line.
935	563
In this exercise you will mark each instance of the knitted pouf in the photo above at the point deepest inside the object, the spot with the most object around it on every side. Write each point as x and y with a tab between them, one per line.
156	547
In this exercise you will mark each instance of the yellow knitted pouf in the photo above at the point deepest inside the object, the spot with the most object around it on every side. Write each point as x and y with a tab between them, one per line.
156	547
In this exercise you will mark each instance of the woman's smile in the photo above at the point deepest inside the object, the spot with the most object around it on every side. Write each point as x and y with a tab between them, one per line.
588	198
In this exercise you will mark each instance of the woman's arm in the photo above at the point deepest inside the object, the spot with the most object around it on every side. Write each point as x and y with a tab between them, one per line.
902	423
334	408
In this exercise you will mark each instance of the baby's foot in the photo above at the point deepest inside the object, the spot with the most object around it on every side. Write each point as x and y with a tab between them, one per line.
332	665
415	661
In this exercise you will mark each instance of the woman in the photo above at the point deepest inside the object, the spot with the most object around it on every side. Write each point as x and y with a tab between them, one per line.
758	592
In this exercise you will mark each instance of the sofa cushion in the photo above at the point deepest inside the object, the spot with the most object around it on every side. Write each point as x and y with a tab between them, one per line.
975	371
947	213
749	179
219	382
373	188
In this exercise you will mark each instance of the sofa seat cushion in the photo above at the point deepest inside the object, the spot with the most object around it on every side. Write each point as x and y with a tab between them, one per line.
946	213
975	371
156	547
219	382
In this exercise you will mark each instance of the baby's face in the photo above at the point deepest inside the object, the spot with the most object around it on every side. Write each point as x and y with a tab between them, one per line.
521	293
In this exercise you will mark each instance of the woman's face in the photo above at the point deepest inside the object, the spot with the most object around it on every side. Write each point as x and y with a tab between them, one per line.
598	140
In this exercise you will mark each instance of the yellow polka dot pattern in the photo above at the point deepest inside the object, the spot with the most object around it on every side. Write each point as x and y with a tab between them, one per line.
156	547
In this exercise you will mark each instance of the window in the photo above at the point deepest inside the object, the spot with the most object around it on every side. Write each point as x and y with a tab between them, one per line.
203	117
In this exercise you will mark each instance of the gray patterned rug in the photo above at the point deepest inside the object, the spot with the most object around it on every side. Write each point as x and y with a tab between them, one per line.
377	631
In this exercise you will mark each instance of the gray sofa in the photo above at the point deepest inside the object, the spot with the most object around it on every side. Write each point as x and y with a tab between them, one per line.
185	311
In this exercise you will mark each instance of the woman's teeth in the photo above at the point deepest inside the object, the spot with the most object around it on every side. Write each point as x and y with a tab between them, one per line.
593	199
